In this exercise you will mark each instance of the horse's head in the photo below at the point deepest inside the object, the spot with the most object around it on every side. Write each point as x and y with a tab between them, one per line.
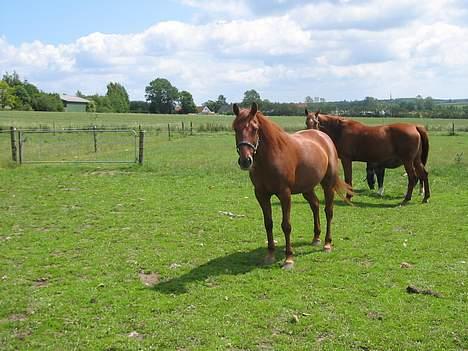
246	127
312	120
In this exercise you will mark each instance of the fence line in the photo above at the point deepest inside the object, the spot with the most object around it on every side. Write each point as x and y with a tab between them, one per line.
19	138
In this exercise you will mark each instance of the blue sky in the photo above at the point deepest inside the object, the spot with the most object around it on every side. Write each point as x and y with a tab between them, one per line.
52	22
285	49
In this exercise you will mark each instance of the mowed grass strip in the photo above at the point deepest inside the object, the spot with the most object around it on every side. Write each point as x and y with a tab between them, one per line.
122	258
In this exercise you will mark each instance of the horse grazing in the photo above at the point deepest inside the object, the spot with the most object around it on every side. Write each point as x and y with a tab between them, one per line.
387	146
374	170
282	164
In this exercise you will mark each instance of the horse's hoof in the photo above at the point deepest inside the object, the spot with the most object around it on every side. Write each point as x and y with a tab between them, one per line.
287	266
425	200
269	260
327	248
316	242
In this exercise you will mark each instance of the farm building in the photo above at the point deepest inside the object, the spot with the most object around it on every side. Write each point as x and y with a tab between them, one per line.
73	103
204	110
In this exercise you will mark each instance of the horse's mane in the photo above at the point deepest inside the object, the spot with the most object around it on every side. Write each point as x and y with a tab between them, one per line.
270	133
334	124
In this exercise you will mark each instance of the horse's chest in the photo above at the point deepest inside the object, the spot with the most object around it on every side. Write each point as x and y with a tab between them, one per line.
270	180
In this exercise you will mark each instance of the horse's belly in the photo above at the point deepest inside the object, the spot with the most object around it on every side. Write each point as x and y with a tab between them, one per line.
306	179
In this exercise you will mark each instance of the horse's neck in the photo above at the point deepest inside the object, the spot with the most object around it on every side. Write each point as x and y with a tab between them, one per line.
272	139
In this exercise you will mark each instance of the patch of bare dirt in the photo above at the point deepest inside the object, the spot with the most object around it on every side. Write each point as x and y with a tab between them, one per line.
41	282
149	278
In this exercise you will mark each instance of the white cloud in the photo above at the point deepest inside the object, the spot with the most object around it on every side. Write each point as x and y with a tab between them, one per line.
336	49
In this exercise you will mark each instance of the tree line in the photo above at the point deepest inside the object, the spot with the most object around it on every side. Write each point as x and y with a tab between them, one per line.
162	97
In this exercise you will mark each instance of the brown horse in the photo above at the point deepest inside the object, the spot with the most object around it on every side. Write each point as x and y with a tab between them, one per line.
388	146
282	164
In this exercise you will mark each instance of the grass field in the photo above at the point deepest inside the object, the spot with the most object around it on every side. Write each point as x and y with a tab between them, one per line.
106	257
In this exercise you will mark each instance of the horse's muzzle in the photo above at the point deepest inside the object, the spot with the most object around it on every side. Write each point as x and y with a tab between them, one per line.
245	163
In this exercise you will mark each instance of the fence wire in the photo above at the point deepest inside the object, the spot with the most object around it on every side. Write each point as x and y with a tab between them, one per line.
78	146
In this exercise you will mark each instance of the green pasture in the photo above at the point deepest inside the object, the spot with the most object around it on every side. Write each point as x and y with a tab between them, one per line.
58	120
168	255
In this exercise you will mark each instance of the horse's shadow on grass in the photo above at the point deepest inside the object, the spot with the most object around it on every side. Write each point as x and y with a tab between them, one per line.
233	264
357	200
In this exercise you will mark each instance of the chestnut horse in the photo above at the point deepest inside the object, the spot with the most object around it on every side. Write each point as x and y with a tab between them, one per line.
387	146
282	164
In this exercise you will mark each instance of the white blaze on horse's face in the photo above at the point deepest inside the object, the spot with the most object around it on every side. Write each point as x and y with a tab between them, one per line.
247	143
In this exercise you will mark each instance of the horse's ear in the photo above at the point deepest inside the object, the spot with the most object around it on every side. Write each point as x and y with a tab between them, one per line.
253	109
235	109
306	112
317	113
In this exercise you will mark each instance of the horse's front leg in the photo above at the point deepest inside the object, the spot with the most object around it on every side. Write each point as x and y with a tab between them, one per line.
265	203
348	173
285	199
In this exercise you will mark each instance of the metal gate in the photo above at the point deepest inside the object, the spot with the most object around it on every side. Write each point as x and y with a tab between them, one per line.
79	146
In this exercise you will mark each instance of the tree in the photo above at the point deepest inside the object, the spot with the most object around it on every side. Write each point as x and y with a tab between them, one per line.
222	100
49	102
12	79
7	97
91	106
139	107
251	96
428	103
118	97
102	103
186	102
161	95
23	98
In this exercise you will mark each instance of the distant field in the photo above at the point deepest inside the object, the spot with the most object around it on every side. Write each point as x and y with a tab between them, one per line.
151	121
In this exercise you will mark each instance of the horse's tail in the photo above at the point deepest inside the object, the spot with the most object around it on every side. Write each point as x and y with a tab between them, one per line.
425	143
343	190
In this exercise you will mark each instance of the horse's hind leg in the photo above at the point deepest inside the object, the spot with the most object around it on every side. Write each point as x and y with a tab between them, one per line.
423	179
314	205
265	203
370	175
412	180
380	173
329	193
285	199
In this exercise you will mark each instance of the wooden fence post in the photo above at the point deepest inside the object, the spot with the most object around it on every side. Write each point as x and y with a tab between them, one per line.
169	131
14	151
191	128
141	146
95	139
20	146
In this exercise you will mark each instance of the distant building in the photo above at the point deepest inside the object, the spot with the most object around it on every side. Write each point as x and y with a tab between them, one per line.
205	111
73	103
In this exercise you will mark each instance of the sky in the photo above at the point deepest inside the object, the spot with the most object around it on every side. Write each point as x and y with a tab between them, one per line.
284	49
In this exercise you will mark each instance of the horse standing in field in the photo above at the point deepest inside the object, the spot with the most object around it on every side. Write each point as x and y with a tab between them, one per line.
282	164
387	146
374	171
